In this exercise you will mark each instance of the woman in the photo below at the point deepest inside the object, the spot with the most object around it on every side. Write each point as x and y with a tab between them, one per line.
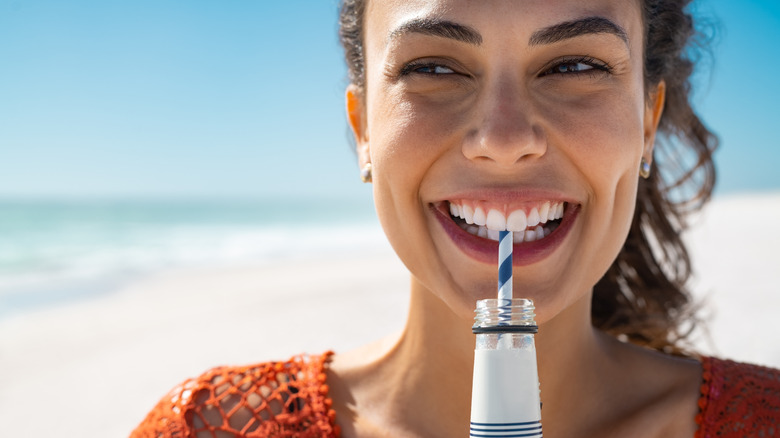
535	116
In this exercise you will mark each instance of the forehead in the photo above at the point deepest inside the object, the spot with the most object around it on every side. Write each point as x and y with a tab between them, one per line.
504	18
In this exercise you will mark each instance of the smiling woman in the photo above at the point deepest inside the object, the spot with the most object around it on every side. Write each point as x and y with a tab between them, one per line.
541	118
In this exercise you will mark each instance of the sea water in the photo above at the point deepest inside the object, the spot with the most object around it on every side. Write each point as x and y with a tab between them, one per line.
54	251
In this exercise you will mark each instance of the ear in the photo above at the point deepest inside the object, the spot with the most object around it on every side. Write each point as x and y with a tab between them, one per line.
356	115
653	110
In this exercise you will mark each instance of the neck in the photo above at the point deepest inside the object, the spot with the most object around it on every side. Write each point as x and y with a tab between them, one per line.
571	357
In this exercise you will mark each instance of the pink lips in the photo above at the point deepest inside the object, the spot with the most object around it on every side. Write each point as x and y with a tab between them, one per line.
486	250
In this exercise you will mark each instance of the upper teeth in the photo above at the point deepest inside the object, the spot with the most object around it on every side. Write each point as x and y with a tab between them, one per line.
518	220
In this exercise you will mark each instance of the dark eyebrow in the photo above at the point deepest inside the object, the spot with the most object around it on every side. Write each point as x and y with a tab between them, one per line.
575	28
440	28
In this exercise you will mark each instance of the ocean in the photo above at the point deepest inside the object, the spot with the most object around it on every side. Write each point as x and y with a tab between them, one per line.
56	251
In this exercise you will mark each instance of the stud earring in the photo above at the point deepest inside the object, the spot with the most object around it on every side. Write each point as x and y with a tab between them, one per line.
644	169
365	173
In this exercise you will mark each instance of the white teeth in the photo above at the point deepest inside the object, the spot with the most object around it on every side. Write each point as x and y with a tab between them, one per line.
467	214
454	210
533	234
517	221
479	216
533	217
483	232
544	212
495	221
526	228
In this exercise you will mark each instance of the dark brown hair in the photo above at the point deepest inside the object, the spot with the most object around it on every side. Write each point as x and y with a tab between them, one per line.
643	297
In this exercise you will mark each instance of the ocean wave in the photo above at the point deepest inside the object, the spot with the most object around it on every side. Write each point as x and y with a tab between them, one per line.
52	253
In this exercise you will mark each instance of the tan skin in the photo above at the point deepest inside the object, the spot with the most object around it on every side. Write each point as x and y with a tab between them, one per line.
506	116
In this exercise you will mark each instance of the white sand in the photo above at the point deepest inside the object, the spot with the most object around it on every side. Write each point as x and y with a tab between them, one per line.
736	251
94	368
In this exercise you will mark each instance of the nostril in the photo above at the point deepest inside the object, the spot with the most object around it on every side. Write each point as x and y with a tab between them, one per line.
506	145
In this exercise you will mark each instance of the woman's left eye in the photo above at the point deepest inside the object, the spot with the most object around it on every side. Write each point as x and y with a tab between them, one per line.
571	67
577	66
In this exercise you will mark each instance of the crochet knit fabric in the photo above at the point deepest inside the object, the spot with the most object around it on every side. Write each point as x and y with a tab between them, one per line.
274	399
290	399
738	400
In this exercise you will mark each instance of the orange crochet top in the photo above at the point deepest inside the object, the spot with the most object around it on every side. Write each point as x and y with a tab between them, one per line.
290	399
738	400
273	399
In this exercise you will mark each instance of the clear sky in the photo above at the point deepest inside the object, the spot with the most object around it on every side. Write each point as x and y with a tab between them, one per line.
244	98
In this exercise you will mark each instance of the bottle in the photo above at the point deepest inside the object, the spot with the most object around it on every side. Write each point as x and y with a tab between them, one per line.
505	393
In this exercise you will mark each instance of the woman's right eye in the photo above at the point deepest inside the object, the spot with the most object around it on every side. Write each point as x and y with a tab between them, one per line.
426	68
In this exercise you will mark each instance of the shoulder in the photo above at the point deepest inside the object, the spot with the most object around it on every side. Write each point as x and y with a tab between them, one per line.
270	399
738	399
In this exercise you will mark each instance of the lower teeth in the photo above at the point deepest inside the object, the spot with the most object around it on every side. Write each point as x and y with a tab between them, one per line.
529	235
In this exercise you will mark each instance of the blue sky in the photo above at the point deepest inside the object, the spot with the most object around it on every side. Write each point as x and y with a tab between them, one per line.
242	98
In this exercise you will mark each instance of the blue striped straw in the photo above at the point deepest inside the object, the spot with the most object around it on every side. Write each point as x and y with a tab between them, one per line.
504	266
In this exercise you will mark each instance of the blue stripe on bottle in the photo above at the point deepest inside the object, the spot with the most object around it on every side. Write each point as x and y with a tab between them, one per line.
537	434
522	429
529	429
524	423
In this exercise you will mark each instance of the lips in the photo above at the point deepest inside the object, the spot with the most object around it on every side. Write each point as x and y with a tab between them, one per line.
538	227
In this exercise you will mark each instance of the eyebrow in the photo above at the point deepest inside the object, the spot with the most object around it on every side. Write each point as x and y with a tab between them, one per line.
548	35
575	28
440	28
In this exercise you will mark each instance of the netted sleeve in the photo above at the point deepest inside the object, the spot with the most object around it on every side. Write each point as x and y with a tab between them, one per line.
738	400
273	399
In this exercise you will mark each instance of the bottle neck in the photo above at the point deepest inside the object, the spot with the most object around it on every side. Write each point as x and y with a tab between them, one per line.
504	316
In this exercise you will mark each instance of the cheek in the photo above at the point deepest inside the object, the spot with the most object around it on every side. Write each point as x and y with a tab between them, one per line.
408	135
602	142
602	139
401	151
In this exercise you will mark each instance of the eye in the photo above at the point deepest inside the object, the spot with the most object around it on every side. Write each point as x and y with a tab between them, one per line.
426	68
570	67
577	66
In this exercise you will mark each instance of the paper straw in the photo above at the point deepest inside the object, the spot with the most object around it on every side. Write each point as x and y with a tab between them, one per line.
504	266
504	285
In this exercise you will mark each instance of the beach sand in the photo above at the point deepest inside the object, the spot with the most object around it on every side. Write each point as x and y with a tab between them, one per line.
94	368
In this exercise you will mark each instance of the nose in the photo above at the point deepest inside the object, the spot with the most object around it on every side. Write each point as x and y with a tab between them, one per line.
506	132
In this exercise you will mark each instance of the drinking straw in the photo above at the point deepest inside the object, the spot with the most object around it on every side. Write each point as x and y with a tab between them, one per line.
504	285
504	266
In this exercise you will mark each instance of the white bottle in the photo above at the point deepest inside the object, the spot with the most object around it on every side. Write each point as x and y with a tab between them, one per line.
505	392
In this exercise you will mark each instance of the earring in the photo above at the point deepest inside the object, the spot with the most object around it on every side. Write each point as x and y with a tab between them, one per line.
365	173
644	169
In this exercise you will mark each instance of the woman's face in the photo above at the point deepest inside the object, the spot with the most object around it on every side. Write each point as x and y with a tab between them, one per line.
529	115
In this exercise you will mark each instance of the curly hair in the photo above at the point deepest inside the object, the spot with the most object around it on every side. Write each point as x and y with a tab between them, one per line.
643	296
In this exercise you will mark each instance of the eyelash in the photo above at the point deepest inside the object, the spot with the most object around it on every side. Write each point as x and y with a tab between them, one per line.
413	66
597	67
